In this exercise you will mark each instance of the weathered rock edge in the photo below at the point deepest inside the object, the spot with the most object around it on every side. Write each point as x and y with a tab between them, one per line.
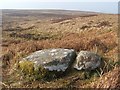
48	62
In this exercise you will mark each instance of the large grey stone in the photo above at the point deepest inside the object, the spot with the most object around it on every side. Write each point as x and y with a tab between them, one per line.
52	59
87	60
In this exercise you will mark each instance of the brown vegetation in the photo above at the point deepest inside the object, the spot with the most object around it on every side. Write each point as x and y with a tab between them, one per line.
20	42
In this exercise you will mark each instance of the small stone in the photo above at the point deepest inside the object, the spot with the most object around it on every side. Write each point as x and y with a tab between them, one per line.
87	60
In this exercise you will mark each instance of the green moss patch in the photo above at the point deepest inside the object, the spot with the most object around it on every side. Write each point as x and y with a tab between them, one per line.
27	67
30	73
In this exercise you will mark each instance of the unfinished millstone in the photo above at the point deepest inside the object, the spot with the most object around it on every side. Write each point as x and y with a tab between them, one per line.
49	59
87	60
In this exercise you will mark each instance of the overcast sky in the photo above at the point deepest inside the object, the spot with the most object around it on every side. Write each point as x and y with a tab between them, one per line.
105	6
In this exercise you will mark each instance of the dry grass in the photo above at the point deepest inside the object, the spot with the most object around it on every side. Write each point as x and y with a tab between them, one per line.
64	34
108	80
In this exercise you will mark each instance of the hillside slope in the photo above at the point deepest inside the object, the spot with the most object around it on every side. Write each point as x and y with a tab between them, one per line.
27	31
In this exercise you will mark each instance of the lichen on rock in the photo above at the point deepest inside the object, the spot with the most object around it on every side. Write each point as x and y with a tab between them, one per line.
87	60
47	63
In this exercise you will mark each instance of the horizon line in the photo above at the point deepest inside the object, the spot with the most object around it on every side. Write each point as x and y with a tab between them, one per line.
59	9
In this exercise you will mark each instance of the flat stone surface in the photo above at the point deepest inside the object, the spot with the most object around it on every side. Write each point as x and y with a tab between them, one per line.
52	59
87	60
